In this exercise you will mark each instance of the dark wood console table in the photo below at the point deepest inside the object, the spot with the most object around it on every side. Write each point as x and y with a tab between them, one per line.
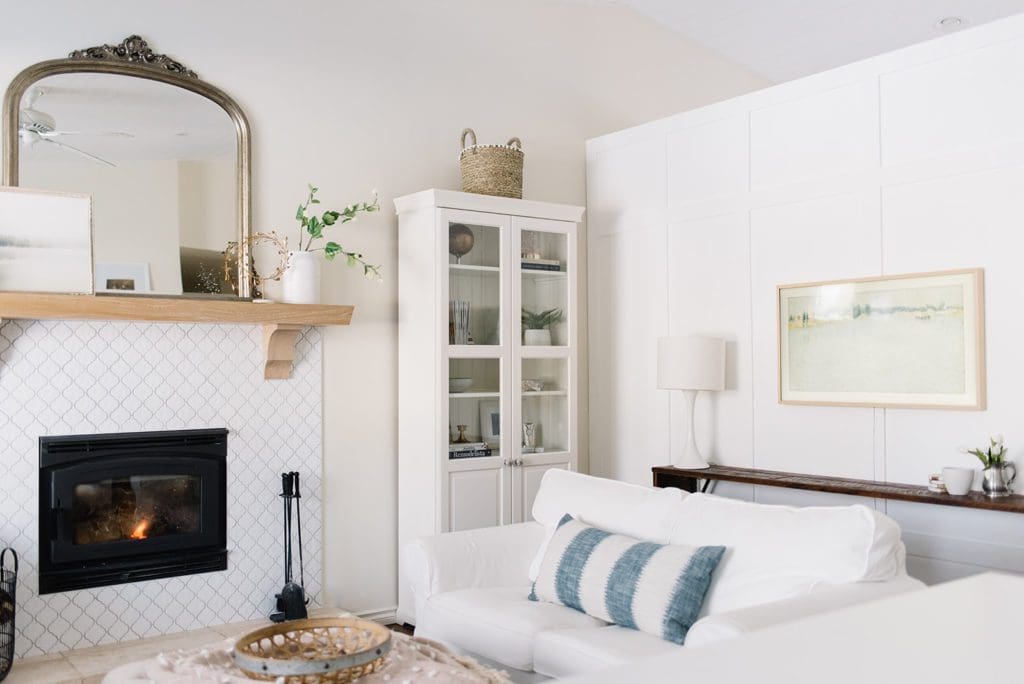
670	476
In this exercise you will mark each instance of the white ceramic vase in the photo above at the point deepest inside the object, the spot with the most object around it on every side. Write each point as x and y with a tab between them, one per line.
537	338
300	283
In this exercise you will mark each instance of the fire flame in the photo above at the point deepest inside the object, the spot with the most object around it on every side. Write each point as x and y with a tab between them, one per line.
140	530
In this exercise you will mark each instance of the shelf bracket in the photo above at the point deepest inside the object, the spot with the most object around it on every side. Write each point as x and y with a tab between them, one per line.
279	349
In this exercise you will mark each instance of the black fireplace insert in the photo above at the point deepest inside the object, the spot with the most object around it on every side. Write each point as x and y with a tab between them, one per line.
129	507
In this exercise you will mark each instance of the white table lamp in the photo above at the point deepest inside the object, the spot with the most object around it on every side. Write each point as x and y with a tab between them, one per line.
691	364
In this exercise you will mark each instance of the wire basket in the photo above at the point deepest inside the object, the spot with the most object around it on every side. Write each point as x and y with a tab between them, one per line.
313	651
8	583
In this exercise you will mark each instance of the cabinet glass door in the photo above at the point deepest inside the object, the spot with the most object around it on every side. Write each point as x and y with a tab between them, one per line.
545	268
474	403
545	406
475	256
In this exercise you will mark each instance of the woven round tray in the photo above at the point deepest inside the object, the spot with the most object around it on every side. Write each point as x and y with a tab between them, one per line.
315	651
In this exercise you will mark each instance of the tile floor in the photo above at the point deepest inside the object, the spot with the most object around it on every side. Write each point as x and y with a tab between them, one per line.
89	665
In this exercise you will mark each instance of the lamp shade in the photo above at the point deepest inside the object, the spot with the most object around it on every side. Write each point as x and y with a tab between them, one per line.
691	363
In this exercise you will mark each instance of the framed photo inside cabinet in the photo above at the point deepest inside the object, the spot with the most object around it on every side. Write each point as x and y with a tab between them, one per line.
490	423
911	341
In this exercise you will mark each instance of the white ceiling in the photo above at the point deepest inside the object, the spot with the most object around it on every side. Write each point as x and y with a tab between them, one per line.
165	122
786	39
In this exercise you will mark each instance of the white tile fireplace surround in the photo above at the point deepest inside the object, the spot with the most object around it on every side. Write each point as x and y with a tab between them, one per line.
62	377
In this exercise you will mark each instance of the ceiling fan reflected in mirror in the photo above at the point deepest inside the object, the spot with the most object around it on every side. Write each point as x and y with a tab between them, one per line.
36	126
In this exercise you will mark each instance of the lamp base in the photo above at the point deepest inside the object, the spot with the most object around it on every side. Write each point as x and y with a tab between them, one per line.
690	458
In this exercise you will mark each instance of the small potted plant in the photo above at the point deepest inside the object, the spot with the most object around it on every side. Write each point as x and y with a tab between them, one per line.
537	326
998	473
301	279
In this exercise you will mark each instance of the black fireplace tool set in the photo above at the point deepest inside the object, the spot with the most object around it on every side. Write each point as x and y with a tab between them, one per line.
291	602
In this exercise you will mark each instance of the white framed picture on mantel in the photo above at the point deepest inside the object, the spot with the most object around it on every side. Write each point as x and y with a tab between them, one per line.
122	278
910	341
45	241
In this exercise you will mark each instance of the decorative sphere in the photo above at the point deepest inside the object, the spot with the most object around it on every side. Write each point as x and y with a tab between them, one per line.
460	239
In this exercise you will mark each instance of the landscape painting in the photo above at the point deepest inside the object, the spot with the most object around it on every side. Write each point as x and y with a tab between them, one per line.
913	341
45	241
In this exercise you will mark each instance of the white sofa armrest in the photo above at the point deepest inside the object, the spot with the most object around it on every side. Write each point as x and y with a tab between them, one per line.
822	599
486	557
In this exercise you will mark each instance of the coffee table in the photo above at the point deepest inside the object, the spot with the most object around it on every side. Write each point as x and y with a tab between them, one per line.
410	660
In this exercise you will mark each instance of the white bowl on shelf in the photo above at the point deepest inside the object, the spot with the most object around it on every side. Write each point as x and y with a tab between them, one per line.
459	384
532	385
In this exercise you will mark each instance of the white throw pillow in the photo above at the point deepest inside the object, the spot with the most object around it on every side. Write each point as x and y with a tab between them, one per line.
653	588
642	512
778	552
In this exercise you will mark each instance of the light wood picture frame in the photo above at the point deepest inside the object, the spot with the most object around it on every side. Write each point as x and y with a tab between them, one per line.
906	341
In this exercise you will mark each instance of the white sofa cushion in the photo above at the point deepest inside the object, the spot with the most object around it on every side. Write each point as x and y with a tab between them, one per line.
777	552
499	624
655	588
642	512
565	652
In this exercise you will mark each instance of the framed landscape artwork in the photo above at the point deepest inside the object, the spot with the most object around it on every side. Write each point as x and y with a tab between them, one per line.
912	341
45	241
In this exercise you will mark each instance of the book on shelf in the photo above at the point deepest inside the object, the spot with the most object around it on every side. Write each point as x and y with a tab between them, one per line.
541	265
468	450
466	446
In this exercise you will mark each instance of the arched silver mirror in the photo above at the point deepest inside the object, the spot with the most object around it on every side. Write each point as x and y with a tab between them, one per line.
164	155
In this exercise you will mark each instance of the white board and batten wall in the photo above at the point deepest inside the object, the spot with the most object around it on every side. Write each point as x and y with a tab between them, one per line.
908	162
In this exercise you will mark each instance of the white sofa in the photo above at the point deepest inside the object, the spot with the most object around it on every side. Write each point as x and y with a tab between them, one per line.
469	588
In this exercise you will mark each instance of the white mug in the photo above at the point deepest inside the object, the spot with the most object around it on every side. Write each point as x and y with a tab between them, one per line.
958	480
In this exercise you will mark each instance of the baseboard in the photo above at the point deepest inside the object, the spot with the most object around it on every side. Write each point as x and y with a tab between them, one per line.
385	616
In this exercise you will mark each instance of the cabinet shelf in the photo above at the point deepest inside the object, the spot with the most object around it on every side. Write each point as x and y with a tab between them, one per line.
552	352
469	268
544	275
546	393
474	395
281	322
474	351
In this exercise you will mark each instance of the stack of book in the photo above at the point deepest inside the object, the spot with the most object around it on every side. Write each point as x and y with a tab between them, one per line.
541	265
468	450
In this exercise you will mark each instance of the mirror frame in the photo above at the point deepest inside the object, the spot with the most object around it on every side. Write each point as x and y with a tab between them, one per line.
134	58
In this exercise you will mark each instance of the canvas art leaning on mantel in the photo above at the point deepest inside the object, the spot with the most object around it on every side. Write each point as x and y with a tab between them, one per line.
911	341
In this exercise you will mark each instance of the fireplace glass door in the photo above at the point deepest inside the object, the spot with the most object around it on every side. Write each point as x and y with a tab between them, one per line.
122	508
135	508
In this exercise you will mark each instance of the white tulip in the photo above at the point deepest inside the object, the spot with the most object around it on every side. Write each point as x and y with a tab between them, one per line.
997	440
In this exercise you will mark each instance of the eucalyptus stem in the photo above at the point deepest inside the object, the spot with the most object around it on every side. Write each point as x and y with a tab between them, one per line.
313	227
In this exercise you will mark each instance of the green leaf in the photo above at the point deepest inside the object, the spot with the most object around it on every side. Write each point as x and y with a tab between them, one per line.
331	250
330	217
352	260
299	212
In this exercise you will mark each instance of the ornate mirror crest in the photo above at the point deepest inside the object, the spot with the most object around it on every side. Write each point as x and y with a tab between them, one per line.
134	58
135	50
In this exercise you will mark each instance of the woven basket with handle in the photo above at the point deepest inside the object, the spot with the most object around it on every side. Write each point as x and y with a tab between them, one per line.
492	169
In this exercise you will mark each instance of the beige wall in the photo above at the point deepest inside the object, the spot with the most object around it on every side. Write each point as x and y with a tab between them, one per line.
207	209
361	95
134	212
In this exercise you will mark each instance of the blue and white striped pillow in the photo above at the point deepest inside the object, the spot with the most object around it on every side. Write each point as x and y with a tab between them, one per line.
653	588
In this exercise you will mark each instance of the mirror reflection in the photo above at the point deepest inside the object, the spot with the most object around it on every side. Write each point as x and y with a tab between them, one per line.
161	163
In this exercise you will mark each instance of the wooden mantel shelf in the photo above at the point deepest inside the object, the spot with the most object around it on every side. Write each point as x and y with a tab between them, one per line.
683	478
281	322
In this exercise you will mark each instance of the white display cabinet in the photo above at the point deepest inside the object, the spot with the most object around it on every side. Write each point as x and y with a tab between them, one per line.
467	381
